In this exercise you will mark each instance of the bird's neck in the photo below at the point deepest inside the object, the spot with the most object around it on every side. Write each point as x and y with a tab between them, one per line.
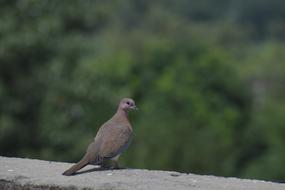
122	113
121	116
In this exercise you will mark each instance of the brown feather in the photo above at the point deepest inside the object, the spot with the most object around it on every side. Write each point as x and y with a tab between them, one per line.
112	138
83	162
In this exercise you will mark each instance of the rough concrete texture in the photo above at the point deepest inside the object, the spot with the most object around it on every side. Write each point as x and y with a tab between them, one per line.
18	173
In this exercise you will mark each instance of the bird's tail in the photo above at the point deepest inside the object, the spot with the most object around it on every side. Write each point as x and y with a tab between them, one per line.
83	162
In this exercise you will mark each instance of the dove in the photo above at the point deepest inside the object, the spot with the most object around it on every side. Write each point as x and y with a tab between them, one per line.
112	138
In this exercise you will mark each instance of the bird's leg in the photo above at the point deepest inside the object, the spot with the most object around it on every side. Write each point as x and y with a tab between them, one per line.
109	165
115	164
105	165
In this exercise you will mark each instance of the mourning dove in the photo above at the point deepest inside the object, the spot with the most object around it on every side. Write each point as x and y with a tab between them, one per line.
112	138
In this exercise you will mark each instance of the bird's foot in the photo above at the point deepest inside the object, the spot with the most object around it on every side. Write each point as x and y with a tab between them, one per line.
117	167
111	166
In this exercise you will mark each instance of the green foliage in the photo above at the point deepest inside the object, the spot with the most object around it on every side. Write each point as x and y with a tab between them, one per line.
207	76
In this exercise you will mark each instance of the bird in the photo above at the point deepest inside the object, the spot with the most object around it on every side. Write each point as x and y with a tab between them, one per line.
112	138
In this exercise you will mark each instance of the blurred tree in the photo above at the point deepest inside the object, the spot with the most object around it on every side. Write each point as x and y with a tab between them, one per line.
208	77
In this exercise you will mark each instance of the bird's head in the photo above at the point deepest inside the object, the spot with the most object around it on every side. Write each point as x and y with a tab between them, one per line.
127	104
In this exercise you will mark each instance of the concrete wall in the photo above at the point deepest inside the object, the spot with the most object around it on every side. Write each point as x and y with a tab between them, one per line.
18	173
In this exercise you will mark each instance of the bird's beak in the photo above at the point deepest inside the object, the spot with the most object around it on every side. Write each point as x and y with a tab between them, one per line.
134	108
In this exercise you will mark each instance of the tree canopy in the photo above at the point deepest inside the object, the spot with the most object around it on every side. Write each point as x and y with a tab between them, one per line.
208	77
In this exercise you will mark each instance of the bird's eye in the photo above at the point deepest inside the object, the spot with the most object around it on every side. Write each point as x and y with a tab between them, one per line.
128	103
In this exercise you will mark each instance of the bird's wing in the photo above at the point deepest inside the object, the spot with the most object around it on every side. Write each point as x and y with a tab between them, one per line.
115	140
92	152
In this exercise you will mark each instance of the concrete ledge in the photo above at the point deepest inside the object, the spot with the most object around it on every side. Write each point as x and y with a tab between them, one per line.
18	173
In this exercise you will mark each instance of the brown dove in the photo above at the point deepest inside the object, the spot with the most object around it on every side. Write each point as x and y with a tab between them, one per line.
112	138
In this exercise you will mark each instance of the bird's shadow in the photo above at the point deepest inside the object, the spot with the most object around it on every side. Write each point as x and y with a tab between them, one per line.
97	169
